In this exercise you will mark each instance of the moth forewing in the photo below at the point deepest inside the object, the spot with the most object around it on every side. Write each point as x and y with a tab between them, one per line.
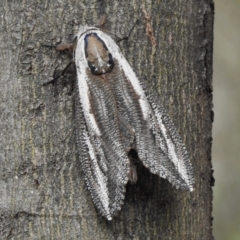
112	100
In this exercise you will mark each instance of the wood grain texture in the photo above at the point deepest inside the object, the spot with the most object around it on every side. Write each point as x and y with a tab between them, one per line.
43	193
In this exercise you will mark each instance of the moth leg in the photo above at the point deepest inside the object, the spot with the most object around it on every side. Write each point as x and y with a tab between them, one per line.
70	47
61	74
130	32
66	47
102	20
133	170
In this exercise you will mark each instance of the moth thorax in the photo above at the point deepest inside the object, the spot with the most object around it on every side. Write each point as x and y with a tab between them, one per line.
99	58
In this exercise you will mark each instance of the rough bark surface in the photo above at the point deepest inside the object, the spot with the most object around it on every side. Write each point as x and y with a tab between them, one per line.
42	191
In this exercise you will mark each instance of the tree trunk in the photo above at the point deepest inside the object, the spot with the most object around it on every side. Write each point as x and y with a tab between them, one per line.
43	194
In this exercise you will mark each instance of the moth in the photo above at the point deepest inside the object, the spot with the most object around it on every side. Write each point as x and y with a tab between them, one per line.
114	115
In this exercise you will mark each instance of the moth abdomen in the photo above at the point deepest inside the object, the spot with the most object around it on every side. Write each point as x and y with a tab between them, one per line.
98	56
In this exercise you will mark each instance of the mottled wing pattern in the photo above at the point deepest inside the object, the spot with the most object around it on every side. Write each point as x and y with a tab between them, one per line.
102	152
158	144
117	115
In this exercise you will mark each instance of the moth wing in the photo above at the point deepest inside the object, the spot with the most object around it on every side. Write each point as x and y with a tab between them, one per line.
102	153
174	158
158	144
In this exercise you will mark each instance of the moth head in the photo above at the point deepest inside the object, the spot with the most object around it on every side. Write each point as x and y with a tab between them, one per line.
97	54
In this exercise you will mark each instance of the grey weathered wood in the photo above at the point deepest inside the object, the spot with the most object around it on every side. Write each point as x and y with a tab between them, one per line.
42	191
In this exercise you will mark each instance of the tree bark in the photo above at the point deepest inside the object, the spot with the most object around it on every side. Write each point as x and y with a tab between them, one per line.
43	194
